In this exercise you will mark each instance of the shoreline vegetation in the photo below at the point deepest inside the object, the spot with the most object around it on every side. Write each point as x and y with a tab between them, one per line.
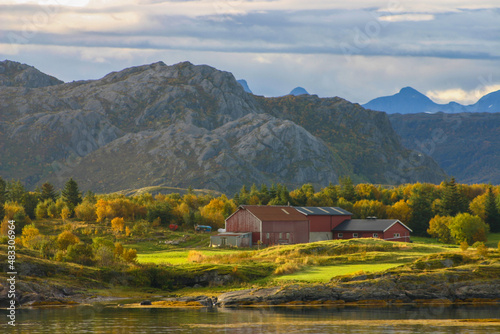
119	249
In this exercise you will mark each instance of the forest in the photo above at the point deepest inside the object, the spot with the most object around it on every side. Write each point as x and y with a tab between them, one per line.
93	228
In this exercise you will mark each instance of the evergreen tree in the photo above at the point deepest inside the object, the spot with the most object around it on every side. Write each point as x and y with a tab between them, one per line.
453	201
491	212
48	192
71	195
421	211
15	192
347	189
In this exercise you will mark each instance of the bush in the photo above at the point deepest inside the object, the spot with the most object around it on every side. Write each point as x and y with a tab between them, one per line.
482	249
117	225
86	211
31	237
287	268
129	255
80	253
66	239
464	246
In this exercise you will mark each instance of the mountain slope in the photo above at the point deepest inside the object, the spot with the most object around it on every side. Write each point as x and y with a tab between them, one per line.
363	140
185	125
465	145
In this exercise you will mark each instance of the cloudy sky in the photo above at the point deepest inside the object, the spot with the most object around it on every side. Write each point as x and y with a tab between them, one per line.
358	49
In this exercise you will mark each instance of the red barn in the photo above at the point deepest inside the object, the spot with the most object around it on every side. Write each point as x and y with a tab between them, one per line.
322	220
271	225
386	229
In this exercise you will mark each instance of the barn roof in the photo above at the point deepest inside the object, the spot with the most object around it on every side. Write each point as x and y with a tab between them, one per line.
322	211
378	225
274	213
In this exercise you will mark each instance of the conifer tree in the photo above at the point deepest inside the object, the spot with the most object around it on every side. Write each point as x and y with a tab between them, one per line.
3	196
70	194
453	202
491	212
48	192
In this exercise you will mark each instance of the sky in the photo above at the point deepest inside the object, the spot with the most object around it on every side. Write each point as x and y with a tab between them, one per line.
358	49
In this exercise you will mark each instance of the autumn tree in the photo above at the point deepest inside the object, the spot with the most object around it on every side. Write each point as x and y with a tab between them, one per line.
217	211
118	225
468	228
400	210
369	208
31	237
80	253
65	239
439	228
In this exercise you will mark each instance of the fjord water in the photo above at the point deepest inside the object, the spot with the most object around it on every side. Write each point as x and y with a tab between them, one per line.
100	319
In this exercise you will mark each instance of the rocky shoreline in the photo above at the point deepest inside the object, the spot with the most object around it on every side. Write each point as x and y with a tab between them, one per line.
450	287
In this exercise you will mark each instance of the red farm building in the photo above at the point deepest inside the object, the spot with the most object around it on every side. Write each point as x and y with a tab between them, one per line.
272	225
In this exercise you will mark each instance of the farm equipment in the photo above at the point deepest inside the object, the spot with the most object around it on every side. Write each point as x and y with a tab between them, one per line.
203	228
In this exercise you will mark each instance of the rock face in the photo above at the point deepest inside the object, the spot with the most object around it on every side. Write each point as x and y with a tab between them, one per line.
180	125
15	74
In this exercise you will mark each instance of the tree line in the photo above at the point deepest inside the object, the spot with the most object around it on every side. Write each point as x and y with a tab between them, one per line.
429	210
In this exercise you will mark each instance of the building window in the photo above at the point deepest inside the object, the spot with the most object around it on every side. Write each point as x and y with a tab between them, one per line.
340	235
375	235
397	235
288	236
223	241
354	235
267	236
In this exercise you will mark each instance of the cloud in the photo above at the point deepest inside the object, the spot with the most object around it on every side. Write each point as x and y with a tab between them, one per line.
407	17
460	95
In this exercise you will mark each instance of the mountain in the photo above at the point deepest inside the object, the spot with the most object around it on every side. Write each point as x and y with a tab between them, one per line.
185	125
411	101
244	84
465	145
13	74
298	91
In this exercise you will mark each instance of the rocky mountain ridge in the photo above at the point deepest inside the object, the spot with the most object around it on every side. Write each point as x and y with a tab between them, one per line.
181	125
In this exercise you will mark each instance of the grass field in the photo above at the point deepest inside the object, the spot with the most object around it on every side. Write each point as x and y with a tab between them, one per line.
325	274
179	256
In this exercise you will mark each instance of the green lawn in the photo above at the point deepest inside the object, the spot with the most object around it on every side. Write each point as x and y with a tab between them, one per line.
325	273
178	256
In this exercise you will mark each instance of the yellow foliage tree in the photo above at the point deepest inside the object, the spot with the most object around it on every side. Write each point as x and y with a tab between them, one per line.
400	210
129	255
439	228
366	208
31	237
65	239
478	206
217	210
65	213
118	224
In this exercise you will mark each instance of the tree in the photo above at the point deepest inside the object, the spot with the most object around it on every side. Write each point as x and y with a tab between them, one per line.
86	210
117	225
492	214
439	229
48	192
15	192
400	210
71	195
160	209
421	212
65	239
31	200
129	255
468	228
453	201
347	189
80	253
369	208
31	237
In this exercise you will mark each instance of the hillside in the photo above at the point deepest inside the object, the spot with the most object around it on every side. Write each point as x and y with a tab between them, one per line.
363	140
465	145
187	125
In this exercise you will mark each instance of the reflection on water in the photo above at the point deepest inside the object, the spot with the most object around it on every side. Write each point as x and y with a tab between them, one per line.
99	319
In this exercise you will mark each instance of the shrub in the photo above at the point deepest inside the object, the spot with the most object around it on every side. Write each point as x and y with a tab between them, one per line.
86	211
129	255
66	239
31	237
118	224
80	253
464	246
482	249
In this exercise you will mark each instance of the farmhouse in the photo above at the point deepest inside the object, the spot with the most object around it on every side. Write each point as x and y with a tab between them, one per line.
272	225
387	229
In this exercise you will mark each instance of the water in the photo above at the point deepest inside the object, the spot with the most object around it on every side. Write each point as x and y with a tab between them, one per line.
100	319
